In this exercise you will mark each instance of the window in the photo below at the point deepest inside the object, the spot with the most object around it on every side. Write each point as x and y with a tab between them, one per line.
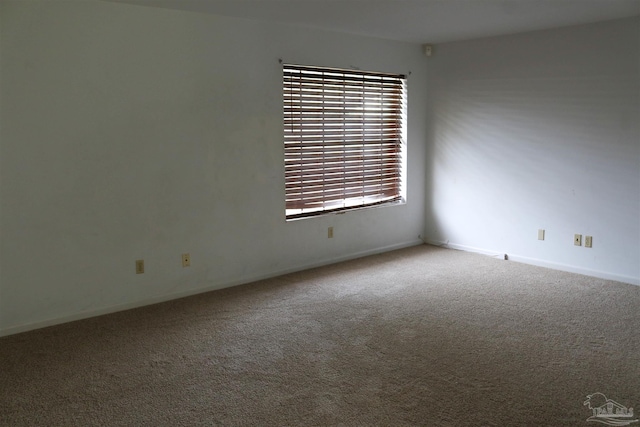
344	133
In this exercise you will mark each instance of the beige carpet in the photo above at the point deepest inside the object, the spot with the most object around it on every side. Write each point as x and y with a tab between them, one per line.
420	336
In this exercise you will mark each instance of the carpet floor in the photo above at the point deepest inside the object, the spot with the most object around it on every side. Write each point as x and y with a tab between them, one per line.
419	336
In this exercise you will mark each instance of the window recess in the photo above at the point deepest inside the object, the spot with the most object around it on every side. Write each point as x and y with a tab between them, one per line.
344	139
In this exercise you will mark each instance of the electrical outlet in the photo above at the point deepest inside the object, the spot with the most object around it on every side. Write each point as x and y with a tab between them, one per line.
540	234
186	260
139	266
330	232
577	239
588	241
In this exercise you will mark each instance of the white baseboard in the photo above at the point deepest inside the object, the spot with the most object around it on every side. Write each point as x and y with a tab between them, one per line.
465	248
574	269
540	262
176	295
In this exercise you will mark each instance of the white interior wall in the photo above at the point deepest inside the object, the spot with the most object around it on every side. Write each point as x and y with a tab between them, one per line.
131	133
539	131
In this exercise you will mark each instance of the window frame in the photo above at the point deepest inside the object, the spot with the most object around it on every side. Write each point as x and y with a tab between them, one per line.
345	139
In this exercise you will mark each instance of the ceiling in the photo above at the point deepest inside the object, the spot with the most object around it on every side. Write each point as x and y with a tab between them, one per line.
418	21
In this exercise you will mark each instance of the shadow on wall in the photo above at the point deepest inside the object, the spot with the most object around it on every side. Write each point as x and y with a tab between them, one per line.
513	152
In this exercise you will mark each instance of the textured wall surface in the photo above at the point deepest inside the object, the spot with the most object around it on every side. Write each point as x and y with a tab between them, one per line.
539	131
131	133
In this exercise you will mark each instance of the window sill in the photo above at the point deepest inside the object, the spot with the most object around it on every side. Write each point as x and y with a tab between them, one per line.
342	211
